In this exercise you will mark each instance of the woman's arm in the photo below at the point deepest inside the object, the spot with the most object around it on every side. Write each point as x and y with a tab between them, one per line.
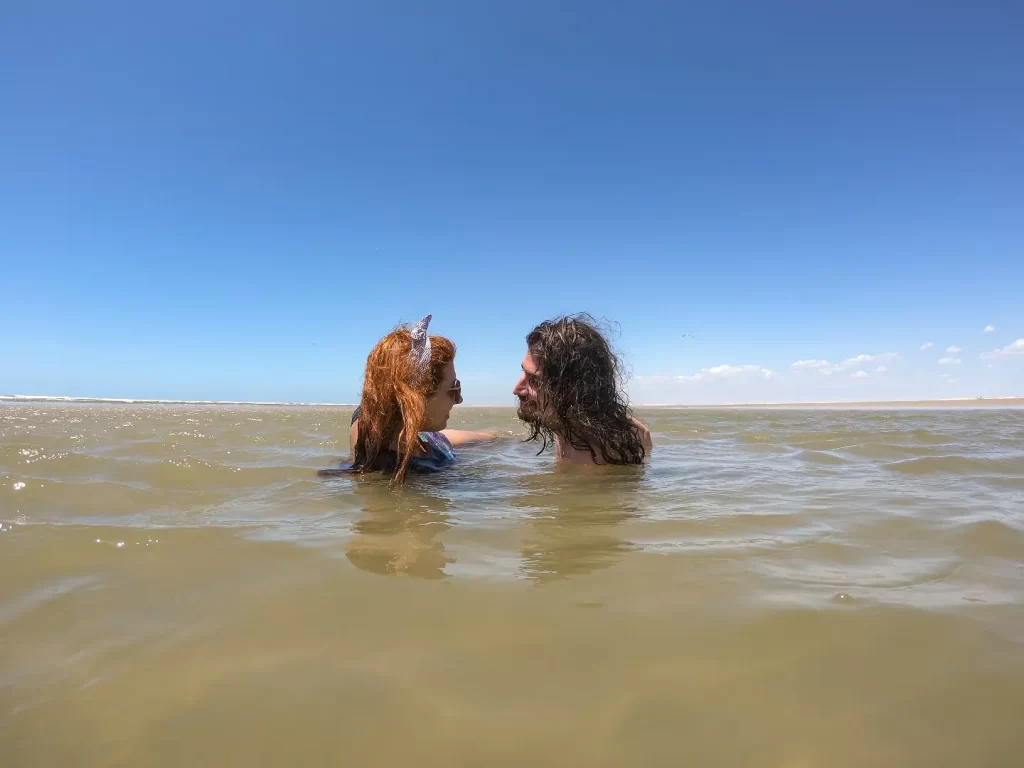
463	437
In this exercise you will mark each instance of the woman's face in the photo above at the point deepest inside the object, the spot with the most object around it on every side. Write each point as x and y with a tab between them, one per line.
440	404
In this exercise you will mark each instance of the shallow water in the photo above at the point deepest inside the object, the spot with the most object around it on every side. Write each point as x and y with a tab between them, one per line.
778	588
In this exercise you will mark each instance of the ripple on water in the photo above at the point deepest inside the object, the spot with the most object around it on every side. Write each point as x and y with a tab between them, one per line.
826	458
957	465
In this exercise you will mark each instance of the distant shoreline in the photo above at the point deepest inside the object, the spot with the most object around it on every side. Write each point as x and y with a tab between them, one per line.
145	401
961	402
988	402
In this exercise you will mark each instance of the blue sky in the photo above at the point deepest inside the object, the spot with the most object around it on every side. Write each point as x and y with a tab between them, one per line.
235	200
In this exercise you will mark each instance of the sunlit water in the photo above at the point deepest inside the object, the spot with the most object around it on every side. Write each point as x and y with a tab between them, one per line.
778	588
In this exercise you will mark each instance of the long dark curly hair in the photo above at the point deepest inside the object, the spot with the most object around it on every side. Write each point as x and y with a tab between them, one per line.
579	392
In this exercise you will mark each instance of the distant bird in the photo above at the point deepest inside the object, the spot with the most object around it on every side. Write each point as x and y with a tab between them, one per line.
690	335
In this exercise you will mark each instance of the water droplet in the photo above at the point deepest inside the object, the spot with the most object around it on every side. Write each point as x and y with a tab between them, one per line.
97	541
120	544
841	598
18	486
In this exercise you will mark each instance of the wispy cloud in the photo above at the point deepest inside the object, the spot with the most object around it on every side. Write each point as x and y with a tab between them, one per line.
1016	348
881	369
953	350
729	372
860	375
862	359
990	329
826	368
949	361
811	365
926	346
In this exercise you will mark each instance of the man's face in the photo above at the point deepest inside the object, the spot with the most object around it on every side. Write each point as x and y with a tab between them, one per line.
526	390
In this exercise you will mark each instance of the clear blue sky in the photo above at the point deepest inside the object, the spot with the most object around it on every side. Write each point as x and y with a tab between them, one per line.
195	194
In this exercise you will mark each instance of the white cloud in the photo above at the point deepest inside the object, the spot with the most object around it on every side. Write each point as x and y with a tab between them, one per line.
949	361
926	346
811	365
860	375
881	369
1016	348
989	329
860	359
728	372
826	368
953	350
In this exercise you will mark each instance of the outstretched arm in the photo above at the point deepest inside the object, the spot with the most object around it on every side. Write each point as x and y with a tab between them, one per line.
459	437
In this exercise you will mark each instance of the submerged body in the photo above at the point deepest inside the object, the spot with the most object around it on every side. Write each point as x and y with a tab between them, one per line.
435	451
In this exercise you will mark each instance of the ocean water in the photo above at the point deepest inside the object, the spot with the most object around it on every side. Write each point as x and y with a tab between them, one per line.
777	588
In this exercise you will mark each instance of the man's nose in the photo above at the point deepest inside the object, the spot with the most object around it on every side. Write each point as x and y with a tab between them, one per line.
519	389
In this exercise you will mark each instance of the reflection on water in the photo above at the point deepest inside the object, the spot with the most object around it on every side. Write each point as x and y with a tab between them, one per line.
398	532
573	515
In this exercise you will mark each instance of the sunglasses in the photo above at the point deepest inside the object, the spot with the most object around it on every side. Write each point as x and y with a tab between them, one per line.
456	388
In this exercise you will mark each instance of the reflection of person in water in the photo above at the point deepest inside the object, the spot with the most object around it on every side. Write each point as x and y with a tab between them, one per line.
573	516
399	534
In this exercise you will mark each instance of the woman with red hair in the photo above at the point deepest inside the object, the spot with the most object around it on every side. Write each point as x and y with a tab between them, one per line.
409	390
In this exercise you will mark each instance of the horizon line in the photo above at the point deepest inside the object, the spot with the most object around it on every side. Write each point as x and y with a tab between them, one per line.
298	404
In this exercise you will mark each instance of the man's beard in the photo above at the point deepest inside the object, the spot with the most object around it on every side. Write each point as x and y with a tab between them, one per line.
529	411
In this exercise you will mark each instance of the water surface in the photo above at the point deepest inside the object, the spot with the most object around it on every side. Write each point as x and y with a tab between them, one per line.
778	588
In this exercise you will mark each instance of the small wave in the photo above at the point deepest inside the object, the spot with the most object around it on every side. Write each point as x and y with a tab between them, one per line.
822	457
957	465
879	450
991	538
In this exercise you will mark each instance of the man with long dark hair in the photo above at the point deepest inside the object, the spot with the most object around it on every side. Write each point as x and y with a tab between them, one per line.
570	395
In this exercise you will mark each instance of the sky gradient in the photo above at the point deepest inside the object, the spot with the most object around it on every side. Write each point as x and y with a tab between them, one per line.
235	200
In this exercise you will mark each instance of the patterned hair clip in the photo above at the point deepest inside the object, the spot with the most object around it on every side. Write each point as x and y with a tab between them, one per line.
420	351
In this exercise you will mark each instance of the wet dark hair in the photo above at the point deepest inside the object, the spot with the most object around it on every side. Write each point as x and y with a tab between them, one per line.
579	392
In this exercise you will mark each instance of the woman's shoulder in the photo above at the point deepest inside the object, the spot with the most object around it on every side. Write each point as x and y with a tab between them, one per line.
438	452
437	440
